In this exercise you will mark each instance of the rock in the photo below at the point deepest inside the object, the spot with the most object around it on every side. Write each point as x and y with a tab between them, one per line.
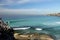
33	37
5	32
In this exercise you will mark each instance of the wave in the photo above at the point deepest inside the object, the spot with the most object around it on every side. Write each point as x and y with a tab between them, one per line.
14	21
58	22
29	28
52	24
38	29
21	28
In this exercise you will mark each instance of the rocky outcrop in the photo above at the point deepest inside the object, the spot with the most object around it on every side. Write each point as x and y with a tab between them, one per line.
33	37
6	33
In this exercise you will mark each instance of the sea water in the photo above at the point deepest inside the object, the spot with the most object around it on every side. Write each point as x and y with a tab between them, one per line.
50	24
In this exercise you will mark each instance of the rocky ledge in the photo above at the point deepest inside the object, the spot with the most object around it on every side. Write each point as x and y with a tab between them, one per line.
34	36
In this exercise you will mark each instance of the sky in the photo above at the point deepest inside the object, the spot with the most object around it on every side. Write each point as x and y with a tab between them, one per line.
29	7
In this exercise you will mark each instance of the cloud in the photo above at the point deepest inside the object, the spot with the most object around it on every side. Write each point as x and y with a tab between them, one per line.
26	11
2	4
19	11
27	1
8	2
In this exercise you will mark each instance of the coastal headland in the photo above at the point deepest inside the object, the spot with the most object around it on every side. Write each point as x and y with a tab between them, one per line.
54	14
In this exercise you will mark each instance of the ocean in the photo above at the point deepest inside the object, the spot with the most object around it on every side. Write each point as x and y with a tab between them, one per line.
49	24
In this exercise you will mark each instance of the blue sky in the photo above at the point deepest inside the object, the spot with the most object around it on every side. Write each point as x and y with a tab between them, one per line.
29	7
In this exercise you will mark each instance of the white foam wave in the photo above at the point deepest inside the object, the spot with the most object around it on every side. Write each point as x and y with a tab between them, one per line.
21	28
38	29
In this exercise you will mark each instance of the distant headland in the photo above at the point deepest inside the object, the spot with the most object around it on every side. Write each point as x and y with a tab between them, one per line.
55	14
